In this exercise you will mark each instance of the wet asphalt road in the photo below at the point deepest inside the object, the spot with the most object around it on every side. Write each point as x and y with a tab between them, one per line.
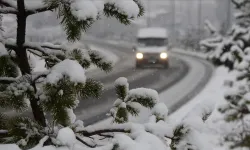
93	110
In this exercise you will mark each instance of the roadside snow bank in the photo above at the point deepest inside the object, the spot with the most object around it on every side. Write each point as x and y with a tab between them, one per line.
9	147
190	53
207	102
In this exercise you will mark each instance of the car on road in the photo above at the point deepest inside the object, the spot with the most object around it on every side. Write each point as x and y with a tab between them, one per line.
151	48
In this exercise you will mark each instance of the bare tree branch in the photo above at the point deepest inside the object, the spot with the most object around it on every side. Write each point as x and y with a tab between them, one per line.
12	8
9	44
85	143
106	135
7	80
39	10
41	47
8	3
12	4
35	47
8	10
98	132
42	75
34	53
52	46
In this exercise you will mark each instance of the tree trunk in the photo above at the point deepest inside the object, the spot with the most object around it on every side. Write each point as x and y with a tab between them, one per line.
23	59
21	29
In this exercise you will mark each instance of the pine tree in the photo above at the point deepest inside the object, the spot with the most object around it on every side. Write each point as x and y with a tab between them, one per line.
232	51
53	93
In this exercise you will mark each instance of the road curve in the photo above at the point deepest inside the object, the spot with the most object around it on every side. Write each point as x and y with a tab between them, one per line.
180	72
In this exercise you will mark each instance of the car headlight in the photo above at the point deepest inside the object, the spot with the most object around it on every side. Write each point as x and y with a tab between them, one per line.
163	55
139	55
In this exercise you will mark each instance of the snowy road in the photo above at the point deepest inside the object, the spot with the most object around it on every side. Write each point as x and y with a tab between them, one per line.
185	77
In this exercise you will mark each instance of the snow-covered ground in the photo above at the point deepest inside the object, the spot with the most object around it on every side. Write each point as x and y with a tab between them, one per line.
190	53
208	100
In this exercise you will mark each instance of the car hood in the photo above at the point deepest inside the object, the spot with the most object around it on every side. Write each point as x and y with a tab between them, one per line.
152	49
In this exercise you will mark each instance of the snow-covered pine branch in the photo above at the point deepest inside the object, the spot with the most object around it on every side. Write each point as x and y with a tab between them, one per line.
126	136
240	3
128	100
56	53
84	13
11	43
54	93
38	7
79	14
92	131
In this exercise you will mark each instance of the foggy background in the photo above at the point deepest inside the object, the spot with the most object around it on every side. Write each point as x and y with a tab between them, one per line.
184	20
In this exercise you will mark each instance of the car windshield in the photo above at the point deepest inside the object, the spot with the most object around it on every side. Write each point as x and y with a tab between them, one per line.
152	42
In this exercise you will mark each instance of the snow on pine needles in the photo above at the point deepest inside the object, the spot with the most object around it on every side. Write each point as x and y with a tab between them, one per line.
84	9
69	68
